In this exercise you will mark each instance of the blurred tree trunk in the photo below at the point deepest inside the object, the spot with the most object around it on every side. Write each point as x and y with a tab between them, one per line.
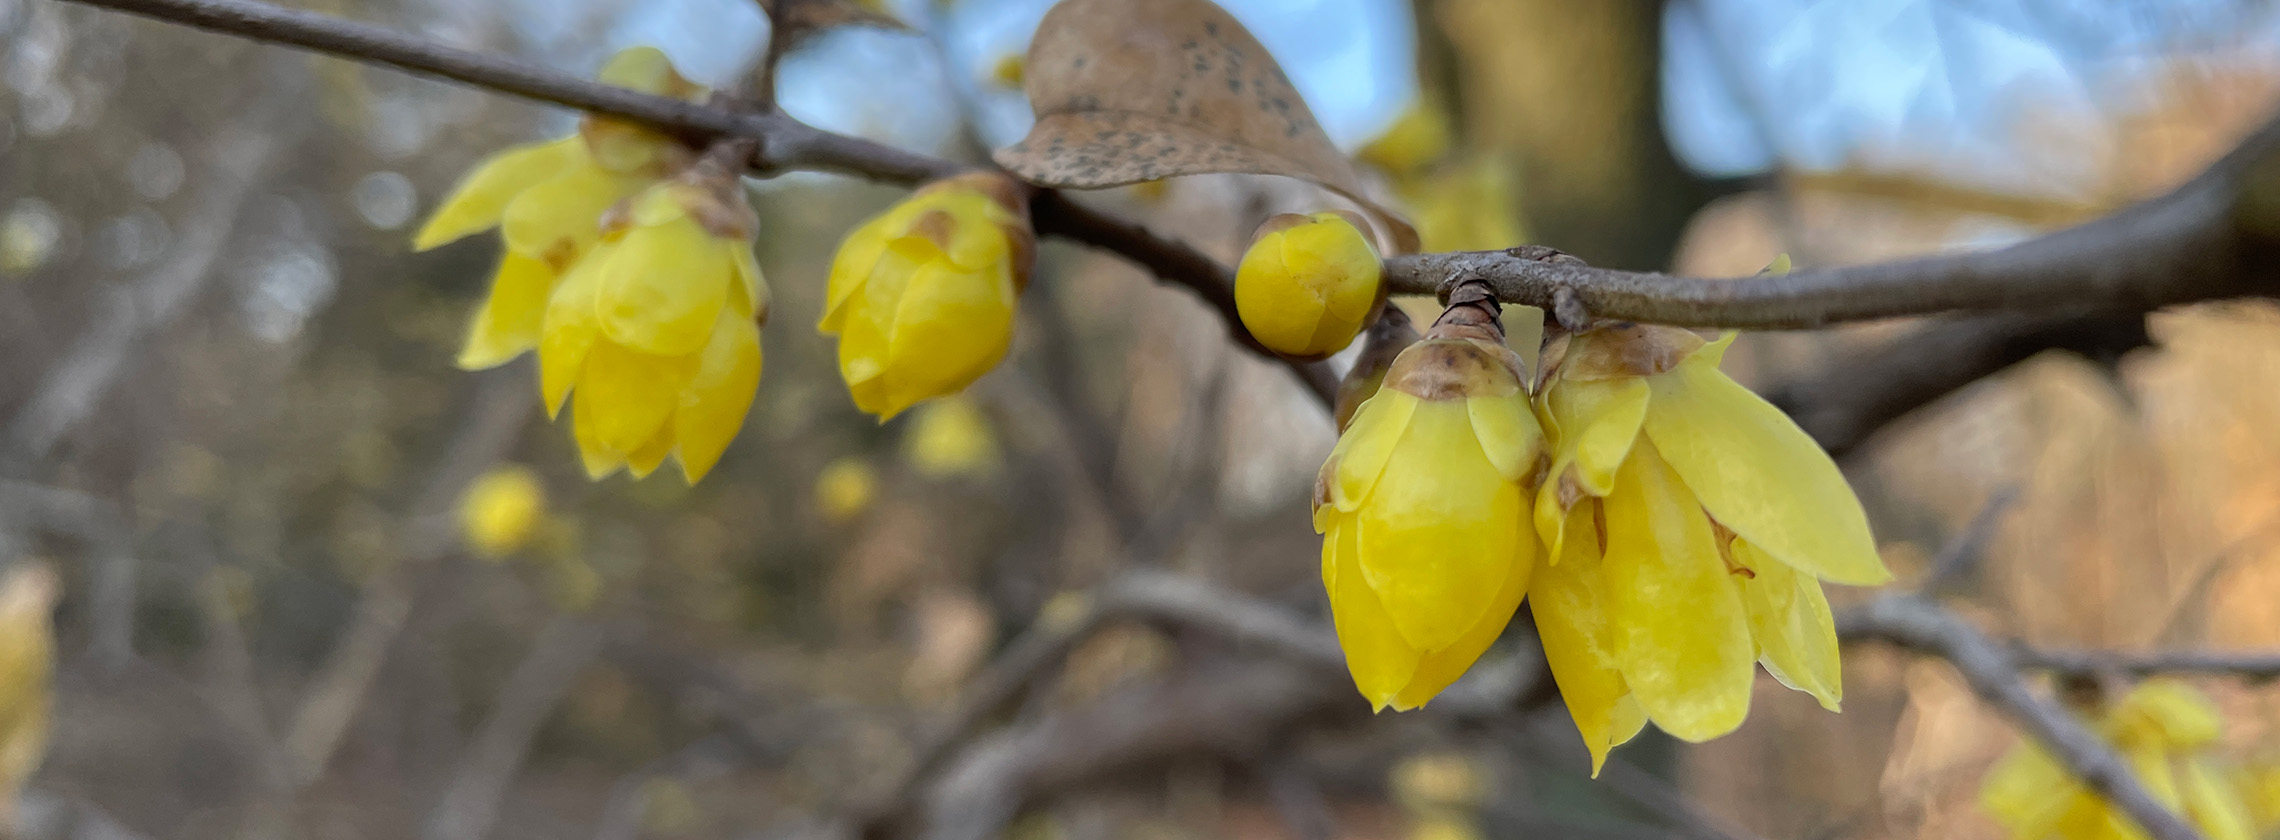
1571	94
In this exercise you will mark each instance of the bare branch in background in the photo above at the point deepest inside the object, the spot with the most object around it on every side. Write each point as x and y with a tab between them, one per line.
1994	674
471	799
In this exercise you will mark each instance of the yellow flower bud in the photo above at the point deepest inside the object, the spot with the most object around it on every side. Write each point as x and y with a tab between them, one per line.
951	438
501	510
548	200
1308	284
2164	729
922	296
845	488
658	330
1426	546
1688	524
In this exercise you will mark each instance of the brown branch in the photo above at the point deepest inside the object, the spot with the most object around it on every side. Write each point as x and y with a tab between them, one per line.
1862	391
1994	674
785	144
2207	239
2251	665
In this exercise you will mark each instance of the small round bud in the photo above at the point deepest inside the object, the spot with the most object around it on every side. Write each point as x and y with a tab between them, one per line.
1308	284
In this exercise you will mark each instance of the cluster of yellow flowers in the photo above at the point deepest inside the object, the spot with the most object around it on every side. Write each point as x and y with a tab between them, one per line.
1671	528
629	269
2166	730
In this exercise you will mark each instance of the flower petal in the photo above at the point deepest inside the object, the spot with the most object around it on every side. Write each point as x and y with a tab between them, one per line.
1759	474
1362	451
1437	669
718	396
1440	529
1571	620
664	287
568	329
629	394
1597	421
950	327
1508	433
509	320
1380	661
2027	792
481	198
1679	626
641	462
558	219
1796	634
2214	804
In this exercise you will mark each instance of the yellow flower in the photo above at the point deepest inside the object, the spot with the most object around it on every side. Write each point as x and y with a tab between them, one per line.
1467	205
1308	284
845	488
658	330
921	296
1426	548
27	673
2164	729
1415	140
951	438
501	510
1688	524
548	199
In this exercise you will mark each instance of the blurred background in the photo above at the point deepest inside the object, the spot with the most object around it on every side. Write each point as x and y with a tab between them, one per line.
229	420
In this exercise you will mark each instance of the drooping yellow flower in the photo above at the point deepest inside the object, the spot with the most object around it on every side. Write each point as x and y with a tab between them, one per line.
922	296
1308	284
501	509
1426	547
2164	729
1416	139
657	331
27	672
1688	525
548	199
951	438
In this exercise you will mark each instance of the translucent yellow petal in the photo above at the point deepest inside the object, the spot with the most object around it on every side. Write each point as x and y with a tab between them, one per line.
568	330
1678	624
481	198
1363	449
1604	417
2027	792
1571	619
718	396
1759	474
1597	422
664	287
1380	661
2167	713
2151	765
2214	804
1508	433
641	462
1440	528
868	321
751	286
950	327
1629	720
599	460
1437	669
851	268
509	320
629	394
558	219
1796	634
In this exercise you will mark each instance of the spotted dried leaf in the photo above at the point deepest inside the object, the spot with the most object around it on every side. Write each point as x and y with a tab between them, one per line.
1127	91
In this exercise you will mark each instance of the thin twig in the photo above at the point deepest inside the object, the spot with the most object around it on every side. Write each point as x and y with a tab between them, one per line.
785	143
2251	665
1964	550
1994	674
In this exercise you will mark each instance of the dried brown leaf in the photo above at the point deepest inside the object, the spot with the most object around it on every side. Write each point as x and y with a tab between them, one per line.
1127	91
